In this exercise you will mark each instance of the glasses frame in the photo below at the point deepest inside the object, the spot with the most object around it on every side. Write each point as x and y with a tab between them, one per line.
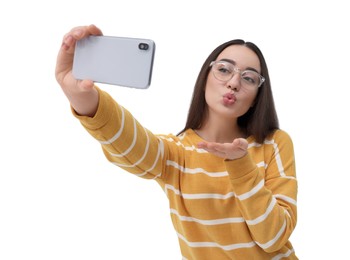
237	70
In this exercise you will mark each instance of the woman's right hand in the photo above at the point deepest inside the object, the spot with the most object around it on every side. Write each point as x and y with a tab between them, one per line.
81	94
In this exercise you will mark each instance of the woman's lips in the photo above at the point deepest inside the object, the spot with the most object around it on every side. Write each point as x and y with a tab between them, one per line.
229	99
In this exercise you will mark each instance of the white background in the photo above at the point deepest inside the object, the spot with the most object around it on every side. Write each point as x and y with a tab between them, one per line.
61	199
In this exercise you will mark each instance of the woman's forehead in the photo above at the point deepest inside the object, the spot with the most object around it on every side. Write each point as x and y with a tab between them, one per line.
242	56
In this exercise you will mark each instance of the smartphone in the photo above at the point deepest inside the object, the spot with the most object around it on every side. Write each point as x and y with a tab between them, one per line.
114	60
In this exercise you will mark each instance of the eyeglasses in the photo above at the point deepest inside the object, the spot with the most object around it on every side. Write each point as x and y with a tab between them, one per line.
224	71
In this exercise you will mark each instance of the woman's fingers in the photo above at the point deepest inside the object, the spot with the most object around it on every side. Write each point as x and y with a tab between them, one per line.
236	149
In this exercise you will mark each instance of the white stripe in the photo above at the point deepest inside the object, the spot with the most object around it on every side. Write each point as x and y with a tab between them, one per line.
286	254
285	198
207	222
132	144
182	136
278	160
273	241
289	177
162	148
195	170
261	164
226	220
277	156
250	193
208	196
156	176
250	145
264	216
215	195
171	187
238	245
117	135
213	244
196	196
201	170
188	148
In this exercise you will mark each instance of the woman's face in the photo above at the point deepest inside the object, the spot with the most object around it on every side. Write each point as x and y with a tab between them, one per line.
232	98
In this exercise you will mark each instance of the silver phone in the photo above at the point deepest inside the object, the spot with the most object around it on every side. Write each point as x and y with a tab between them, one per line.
114	60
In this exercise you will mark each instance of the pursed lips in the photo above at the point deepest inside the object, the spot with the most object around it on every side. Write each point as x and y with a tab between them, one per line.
229	99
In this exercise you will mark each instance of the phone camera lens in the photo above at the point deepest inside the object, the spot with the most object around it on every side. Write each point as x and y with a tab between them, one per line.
143	46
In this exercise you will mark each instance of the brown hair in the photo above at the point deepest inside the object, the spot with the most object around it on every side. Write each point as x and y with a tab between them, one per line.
259	121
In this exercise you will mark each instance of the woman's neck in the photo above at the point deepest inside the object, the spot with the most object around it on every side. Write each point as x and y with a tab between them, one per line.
220	131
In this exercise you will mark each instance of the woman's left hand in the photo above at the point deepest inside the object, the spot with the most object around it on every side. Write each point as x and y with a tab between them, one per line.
230	151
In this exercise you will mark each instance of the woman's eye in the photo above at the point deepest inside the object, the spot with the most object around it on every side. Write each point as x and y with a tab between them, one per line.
249	79
224	70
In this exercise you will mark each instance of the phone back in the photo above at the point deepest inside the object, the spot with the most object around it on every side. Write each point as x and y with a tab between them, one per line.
115	60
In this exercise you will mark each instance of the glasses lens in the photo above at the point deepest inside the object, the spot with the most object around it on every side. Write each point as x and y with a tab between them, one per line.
250	78
223	71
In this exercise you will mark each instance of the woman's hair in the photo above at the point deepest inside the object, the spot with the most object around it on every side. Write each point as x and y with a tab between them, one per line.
259	121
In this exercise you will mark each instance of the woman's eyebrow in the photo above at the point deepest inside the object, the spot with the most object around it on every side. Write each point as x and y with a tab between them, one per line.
229	61
234	63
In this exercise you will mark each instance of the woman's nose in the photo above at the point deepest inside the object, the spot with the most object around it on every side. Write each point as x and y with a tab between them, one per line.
234	83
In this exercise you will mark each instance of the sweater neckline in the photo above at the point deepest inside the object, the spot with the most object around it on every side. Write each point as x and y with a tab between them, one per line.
192	133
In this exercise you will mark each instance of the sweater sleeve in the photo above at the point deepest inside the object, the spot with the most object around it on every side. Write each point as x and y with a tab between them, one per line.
266	192
125	142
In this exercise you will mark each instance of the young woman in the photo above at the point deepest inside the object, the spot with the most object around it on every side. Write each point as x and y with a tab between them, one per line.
230	173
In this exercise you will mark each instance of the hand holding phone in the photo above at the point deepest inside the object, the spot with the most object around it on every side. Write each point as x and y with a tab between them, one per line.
114	60
81	94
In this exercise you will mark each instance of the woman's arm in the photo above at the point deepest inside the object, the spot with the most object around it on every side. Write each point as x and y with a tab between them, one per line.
125	142
267	193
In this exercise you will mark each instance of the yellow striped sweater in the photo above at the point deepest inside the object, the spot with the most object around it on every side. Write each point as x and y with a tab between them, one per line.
239	209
